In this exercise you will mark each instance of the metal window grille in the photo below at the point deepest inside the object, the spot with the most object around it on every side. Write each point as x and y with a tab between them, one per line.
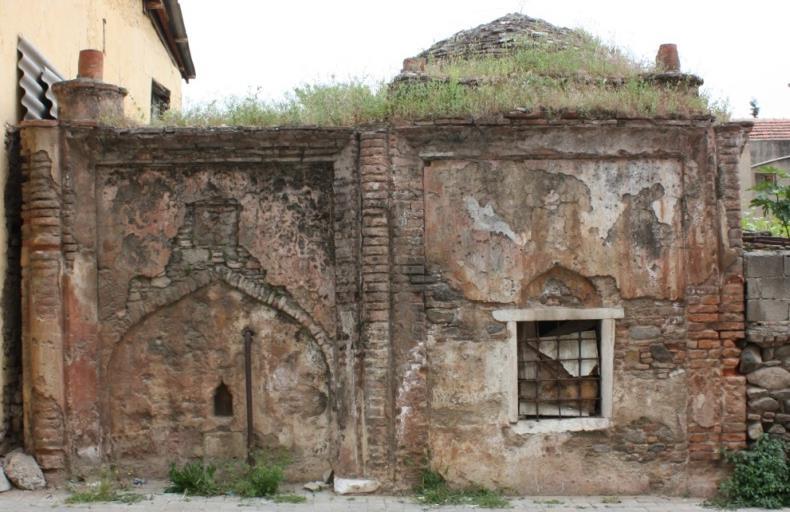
559	372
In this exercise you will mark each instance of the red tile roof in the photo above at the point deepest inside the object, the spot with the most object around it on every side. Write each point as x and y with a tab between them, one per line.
770	129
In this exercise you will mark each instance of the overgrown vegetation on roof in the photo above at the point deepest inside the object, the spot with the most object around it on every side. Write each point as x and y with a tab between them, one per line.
588	79
582	56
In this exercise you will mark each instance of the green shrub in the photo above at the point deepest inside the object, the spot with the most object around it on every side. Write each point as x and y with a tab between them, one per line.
261	480
760	477
434	490
194	478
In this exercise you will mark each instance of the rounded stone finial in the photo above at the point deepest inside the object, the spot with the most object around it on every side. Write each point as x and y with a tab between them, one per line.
91	65
667	58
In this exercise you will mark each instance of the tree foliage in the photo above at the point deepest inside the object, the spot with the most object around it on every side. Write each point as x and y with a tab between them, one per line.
773	196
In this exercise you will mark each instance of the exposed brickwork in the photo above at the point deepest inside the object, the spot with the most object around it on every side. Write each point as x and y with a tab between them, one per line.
376	288
45	433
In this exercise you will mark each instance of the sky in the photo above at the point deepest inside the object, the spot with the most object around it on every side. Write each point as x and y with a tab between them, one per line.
240	47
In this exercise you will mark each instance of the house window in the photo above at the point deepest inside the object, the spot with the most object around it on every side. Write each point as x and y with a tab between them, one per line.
160	99
559	366
764	177
558	373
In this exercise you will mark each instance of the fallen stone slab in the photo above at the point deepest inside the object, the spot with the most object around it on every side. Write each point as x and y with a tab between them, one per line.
355	485
5	485
24	472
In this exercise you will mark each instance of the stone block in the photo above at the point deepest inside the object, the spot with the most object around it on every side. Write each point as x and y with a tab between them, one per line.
767	310
750	359
764	264
753	288
355	485
770	378
644	332
763	404
775	288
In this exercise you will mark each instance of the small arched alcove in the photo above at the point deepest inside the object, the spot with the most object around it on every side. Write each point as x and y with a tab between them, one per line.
223	401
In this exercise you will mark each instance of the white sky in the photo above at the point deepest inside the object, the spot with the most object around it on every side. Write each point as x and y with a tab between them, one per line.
741	49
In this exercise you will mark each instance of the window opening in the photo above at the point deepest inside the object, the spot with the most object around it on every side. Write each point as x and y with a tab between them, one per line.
559	369
223	401
160	99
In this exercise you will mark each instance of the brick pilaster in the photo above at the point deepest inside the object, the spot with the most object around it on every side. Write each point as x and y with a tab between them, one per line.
374	169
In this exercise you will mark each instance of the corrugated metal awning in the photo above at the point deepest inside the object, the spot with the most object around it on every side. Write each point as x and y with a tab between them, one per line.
38	75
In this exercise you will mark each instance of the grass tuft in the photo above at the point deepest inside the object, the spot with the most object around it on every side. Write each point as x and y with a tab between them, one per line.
288	498
434	490
107	489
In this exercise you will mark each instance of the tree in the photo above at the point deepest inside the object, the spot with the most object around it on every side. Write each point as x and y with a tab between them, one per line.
755	108
773	197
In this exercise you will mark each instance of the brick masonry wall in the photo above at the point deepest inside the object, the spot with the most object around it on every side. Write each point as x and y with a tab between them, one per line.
413	350
765	361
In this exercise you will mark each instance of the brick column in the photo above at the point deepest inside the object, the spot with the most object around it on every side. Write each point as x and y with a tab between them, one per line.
730	143
42	302
374	171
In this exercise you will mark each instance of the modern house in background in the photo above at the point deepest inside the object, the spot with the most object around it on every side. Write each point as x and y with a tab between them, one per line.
146	51
769	145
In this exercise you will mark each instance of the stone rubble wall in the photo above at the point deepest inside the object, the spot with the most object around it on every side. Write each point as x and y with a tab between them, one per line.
766	358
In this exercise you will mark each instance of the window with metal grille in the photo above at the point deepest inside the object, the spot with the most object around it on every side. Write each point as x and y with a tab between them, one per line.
559	369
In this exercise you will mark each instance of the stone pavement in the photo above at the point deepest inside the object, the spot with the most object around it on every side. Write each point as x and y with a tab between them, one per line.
157	501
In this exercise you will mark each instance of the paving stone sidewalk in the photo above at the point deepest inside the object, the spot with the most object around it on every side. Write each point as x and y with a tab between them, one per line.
158	501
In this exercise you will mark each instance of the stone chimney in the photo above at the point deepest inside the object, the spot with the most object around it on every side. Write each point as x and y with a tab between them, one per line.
667	60
87	99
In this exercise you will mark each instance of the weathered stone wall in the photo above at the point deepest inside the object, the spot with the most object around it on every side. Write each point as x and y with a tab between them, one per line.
766	358
369	264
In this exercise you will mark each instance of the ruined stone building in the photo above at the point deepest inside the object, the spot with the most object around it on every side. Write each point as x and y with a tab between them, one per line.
547	304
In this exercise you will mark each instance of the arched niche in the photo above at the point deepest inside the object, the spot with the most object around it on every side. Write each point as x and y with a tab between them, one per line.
163	378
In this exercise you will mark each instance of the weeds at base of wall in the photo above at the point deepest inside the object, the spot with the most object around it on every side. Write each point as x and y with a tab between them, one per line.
434	490
233	478
760	477
107	489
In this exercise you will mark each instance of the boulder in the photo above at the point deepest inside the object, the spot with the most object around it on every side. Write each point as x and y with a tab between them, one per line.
661	353
750	359
770	378
777	429
753	393
755	431
23	471
355	485
763	404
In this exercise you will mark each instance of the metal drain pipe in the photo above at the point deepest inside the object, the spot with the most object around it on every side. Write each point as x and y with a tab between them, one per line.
248	334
